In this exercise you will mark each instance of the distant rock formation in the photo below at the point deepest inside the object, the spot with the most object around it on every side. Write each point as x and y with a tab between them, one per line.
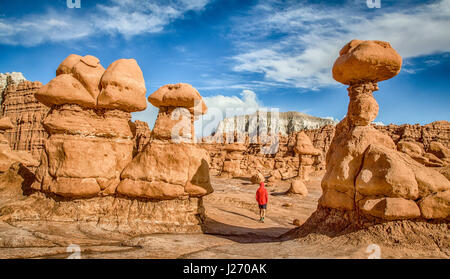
8	156
289	122
26	114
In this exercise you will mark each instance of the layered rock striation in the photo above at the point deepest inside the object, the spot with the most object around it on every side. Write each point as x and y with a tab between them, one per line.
26	114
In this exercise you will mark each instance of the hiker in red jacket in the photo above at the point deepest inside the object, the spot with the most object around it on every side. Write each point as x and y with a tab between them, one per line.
262	198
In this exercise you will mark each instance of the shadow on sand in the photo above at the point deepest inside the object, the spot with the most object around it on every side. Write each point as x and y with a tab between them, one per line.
243	234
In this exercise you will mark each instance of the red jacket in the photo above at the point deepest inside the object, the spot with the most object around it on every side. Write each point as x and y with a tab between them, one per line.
261	194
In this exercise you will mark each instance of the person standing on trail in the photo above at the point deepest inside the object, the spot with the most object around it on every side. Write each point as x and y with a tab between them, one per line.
262	198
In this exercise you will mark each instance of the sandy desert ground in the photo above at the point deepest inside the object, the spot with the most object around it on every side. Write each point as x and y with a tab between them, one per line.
231	230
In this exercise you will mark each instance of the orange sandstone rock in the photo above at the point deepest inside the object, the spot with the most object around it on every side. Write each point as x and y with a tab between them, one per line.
363	61
89	144
365	172
168	168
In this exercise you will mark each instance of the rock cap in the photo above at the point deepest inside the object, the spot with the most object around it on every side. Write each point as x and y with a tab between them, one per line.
363	61
178	95
304	146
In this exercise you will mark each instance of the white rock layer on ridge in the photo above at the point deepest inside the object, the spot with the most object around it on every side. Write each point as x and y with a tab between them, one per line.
289	122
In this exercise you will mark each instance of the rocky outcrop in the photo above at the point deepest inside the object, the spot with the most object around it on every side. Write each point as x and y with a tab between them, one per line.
365	173
26	114
90	140
232	162
172	165
306	153
8	156
9	78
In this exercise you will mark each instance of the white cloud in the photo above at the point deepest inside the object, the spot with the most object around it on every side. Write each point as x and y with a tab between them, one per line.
127	18
311	38
220	107
36	29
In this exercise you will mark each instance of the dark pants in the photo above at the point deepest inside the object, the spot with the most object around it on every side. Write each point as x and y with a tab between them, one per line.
263	206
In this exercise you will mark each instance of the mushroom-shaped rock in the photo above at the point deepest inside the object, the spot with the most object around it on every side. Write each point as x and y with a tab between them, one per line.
304	146
90	140
178	104
365	170
179	95
5	123
123	87
366	61
8	156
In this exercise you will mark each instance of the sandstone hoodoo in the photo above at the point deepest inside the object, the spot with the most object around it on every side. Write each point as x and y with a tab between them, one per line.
8	156
90	138
171	166
307	153
365	174
232	163
179	106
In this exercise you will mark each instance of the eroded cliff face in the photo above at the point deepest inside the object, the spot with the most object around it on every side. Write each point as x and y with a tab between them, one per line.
26	114
288	122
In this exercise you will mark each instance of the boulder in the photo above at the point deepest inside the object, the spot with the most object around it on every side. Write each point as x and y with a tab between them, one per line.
390	208
168	168
384	173
298	187
366	61
436	206
257	178
123	87
304	146
439	150
65	89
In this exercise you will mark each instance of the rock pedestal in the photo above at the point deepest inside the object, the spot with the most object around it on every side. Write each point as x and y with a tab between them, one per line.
171	166
365	173
90	139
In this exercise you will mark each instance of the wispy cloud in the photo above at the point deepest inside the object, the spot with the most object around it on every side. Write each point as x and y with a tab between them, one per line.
127	18
309	38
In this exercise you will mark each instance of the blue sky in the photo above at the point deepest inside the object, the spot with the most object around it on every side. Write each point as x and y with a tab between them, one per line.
242	54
